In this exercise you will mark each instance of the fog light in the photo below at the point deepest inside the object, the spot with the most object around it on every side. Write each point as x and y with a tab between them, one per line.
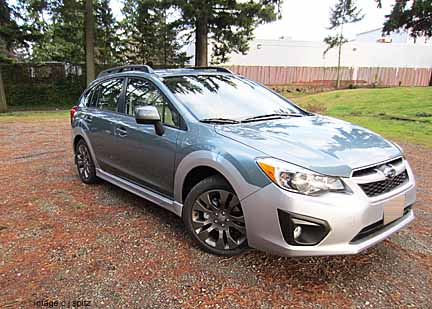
300	230
297	232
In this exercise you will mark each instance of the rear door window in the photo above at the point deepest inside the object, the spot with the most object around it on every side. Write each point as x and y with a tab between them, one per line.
109	94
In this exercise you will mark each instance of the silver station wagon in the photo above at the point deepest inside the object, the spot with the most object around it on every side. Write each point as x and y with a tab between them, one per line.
240	164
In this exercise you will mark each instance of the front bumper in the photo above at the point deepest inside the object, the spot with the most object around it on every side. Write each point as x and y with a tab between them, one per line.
347	215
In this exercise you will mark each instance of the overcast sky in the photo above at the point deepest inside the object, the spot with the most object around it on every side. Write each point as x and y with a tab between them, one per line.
308	19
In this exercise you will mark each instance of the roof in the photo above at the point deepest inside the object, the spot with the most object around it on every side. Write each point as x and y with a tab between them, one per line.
137	69
370	31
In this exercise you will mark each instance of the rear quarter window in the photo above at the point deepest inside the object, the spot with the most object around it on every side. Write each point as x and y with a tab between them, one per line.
90	98
109	94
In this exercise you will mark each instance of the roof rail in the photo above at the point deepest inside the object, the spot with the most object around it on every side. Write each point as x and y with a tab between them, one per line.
125	68
217	69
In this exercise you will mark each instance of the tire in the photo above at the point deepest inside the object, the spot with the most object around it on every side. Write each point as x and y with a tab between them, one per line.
84	162
214	218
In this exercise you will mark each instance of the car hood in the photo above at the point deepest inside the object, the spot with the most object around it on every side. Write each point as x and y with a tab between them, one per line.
322	144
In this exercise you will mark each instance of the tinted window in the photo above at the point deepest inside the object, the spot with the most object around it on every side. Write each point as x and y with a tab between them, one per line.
225	96
93	96
140	92
86	99
90	98
109	94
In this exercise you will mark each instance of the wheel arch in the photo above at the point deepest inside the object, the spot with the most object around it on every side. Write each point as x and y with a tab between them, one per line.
76	139
210	164
196	175
78	134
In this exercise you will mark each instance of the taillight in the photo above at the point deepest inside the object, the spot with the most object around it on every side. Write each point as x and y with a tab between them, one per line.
72	112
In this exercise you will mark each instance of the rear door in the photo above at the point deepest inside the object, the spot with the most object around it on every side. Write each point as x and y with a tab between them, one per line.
101	121
144	157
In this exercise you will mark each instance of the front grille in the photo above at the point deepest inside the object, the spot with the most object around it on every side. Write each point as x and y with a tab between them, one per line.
380	187
372	170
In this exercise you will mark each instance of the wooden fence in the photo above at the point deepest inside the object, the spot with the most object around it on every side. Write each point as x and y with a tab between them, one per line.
326	76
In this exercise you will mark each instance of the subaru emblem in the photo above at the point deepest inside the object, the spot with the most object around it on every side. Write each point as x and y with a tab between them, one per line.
389	171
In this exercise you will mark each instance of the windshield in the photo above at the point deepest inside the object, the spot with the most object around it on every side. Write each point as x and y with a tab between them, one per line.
227	97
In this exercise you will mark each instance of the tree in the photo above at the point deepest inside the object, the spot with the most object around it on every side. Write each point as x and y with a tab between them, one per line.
60	23
3	102
415	18
344	12
89	41
170	45
106	37
13	38
228	24
63	35
147	36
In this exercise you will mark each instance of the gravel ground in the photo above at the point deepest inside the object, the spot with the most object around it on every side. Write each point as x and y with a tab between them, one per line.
65	241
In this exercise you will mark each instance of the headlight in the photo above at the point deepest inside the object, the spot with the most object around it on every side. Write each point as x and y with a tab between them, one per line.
294	178
399	147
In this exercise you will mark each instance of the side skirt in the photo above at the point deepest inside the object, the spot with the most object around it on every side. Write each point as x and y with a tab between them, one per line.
160	200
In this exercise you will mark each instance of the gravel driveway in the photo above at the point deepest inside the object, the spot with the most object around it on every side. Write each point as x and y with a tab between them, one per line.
64	241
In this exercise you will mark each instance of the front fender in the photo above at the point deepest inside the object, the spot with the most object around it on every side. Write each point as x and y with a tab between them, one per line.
217	162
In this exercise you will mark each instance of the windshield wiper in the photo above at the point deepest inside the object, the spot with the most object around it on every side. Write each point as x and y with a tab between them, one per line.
275	115
219	120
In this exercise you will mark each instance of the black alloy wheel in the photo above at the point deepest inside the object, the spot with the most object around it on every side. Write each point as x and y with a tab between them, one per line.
215	217
84	162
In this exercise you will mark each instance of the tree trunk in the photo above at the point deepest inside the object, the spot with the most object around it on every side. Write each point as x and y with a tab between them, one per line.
3	105
201	39
339	66
89	41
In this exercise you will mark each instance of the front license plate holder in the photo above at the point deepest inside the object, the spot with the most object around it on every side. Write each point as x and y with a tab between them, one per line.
394	209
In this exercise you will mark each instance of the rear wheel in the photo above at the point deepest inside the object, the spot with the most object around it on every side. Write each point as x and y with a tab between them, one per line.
214	218
84	163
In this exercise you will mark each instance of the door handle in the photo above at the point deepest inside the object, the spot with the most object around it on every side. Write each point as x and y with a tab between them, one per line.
122	132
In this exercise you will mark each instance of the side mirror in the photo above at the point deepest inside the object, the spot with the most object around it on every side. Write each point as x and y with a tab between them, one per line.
149	115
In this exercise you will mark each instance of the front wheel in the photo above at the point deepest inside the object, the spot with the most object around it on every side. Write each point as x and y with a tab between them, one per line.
214	218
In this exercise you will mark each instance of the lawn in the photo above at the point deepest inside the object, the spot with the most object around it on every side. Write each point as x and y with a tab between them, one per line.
32	116
403	114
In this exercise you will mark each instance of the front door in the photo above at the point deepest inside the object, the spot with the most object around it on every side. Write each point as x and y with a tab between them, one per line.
144	157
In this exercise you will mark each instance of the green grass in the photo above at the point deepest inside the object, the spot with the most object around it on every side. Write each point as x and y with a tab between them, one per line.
403	114
34	116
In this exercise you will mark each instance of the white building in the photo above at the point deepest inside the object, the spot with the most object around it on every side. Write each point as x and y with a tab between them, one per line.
368	50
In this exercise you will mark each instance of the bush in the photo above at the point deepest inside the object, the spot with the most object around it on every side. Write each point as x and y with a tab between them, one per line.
58	94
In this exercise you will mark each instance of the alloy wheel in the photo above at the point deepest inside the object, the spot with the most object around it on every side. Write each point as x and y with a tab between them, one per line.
218	220
83	161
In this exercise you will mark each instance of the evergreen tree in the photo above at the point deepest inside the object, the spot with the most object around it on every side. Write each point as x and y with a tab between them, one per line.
344	12
106	37
61	24
228	24
63	37
14	38
147	35
413	16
